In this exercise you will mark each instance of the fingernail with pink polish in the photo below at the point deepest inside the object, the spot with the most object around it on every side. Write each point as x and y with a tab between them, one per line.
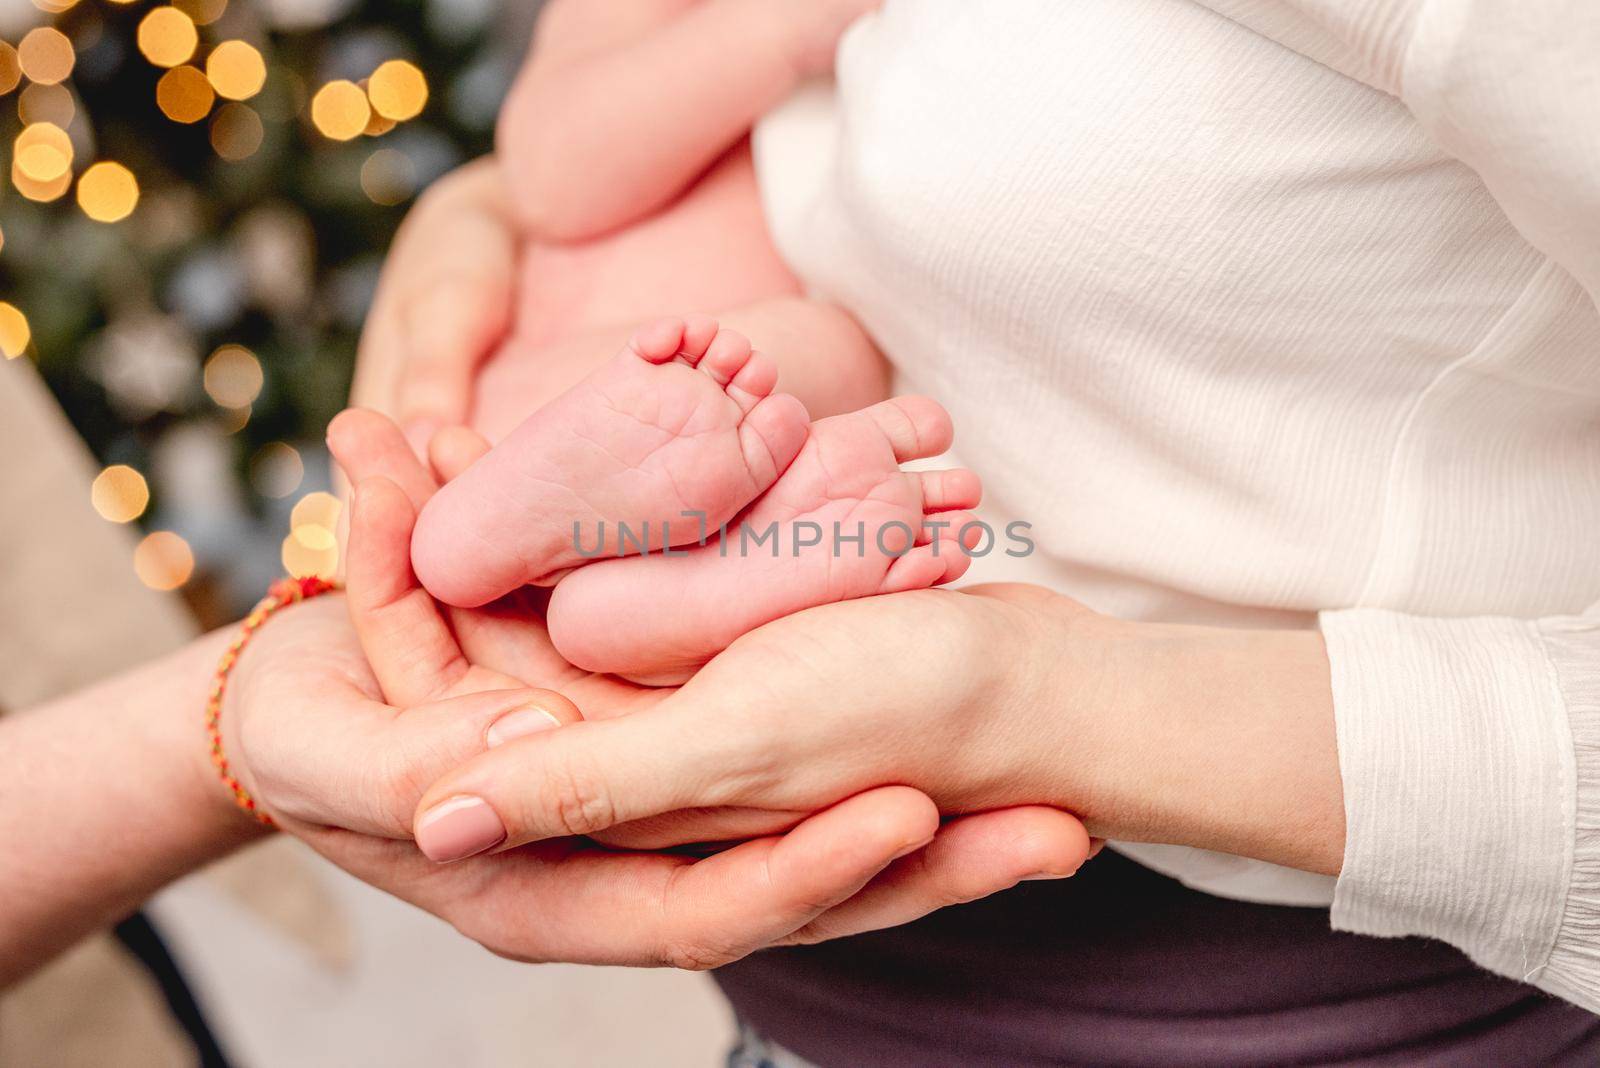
522	722
457	828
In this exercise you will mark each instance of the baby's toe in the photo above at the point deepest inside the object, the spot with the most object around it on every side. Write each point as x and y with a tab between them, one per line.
726	356
658	341
925	566
699	331
916	427
771	436
754	381
954	488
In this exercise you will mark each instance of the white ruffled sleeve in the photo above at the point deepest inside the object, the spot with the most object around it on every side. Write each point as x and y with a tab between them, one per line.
1470	751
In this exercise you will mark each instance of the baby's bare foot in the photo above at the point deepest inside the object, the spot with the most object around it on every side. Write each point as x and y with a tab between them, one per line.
844	522
682	420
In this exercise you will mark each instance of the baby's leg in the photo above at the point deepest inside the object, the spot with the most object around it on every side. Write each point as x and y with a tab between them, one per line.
823	357
683	419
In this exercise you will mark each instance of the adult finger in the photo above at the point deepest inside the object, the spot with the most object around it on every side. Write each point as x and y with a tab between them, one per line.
581	780
970	858
368	444
559	901
361	765
443	299
455	449
411	650
450	286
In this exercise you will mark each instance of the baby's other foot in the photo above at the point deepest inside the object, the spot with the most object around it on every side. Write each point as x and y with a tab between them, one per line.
683	419
844	521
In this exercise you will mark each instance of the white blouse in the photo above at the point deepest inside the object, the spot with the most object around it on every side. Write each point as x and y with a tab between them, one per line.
1272	312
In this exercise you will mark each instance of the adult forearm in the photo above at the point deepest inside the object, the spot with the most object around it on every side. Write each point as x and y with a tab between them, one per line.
1222	739
106	796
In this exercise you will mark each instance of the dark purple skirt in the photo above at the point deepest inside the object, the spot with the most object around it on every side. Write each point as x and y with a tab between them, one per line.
1122	966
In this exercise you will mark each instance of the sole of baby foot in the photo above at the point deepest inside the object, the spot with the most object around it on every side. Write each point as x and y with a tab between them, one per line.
844	521
676	433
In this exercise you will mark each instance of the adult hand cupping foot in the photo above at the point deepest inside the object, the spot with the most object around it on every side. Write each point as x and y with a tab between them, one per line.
997	696
336	764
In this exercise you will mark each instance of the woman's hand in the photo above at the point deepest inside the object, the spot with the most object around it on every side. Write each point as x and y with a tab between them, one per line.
444	300
991	697
315	742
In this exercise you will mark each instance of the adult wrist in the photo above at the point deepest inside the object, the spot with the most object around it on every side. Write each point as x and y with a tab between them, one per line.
1211	737
258	676
217	824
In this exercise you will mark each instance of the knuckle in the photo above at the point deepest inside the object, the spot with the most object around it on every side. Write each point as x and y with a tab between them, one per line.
576	799
692	956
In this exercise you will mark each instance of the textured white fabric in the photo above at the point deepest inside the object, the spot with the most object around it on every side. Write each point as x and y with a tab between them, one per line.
1259	310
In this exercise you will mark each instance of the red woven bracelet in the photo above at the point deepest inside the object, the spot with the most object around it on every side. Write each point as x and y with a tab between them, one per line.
282	593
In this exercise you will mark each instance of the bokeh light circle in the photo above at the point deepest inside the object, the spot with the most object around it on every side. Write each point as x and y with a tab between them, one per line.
276	470
233	377
236	132
398	90
236	70
45	55
167	37
185	95
15	334
120	494
163	561
340	110
310	552
108	192
10	68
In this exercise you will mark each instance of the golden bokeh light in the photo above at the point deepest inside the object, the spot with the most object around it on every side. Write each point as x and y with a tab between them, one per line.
46	103
236	132
233	377
377	125
10	68
108	192
14	331
310	552
41	162
54	7
340	110
45	55
203	12
317	510
236	70
388	176
276	470
167	37
184	95
39	192
163	561
120	494
398	90
235	419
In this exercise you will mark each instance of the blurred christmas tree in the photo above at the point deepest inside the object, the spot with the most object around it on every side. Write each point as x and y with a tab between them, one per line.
200	198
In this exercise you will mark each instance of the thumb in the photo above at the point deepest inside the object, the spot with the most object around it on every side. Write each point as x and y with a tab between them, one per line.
586	778
450	328
367	766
